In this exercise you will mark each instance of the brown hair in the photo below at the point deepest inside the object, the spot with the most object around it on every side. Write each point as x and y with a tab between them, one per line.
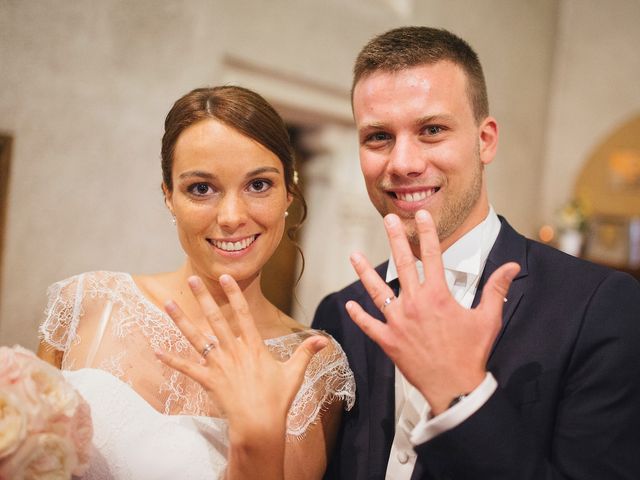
238	108
248	113
407	47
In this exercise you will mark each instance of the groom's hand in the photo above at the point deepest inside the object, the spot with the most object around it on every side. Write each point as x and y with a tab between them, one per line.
439	346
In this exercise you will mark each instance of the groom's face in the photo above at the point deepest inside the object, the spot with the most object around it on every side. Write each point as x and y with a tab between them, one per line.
422	148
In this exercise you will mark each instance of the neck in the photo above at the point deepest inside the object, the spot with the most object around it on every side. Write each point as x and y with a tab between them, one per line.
477	215
251	290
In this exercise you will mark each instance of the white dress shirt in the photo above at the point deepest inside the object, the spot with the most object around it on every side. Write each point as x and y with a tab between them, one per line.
464	262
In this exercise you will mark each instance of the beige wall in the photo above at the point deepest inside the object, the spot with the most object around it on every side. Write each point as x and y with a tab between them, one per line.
594	90
84	87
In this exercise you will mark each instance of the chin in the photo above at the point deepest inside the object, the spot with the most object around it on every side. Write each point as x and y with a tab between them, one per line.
241	274
214	269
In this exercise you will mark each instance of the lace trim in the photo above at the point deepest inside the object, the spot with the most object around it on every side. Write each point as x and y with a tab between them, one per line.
327	379
135	321
64	307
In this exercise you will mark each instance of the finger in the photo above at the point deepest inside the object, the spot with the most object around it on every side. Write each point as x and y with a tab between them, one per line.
240	307
212	313
429	246
495	291
374	329
188	329
199	373
299	361
401	251
377	289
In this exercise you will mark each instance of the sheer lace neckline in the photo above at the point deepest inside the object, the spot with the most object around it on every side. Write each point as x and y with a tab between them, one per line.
134	395
140	293
103	320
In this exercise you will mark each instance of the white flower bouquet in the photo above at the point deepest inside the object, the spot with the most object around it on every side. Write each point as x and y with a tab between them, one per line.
45	425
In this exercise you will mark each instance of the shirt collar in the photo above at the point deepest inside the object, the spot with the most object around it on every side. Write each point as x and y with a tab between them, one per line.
469	254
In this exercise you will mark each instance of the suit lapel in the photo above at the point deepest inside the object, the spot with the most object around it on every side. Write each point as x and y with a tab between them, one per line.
510	246
381	384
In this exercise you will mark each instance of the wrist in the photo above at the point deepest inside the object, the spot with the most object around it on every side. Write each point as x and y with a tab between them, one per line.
256	450
245	436
454	393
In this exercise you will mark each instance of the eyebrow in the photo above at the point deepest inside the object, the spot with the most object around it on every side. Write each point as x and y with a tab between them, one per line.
211	176
261	170
373	126
439	117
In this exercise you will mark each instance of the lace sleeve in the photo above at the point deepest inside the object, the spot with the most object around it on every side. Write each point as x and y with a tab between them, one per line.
328	379
64	308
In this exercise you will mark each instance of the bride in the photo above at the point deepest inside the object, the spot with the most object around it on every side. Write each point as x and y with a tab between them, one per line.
238	391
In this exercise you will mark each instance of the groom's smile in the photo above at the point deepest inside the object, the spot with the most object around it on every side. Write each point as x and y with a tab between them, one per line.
412	199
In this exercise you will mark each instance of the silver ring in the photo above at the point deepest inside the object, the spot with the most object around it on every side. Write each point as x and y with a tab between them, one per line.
387	301
207	348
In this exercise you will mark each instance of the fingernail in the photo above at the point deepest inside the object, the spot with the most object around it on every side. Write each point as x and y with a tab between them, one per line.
421	216
170	306
225	279
356	257
158	353
193	281
512	272
391	220
349	305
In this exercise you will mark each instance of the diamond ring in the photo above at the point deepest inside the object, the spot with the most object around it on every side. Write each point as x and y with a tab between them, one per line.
387	301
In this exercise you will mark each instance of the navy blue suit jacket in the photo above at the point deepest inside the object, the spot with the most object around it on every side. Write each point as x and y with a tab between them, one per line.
567	362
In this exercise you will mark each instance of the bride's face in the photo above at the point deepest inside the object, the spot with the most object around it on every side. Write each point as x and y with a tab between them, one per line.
229	198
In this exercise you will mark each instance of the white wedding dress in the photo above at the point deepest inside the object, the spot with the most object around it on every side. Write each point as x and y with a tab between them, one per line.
151	422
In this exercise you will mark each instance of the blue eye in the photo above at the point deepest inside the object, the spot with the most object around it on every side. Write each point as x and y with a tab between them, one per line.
378	137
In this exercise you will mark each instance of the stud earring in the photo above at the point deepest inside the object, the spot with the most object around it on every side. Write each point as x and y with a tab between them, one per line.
286	213
173	219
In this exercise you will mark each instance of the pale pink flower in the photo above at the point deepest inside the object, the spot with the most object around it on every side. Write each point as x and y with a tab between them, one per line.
41	456
45	425
13	423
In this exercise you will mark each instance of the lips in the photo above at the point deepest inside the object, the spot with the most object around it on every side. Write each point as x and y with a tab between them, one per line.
233	245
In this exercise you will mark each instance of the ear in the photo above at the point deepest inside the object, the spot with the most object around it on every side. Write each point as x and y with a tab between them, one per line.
289	199
488	139
168	197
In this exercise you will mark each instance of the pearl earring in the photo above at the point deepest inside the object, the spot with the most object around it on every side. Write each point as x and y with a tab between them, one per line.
173	219
286	213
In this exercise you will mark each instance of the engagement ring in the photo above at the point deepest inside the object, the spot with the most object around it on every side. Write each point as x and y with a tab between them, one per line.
387	301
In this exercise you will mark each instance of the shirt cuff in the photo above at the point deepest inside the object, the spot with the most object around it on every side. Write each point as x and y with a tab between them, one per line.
427	428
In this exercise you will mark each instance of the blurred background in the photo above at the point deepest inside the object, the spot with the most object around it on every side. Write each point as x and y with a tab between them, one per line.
85	86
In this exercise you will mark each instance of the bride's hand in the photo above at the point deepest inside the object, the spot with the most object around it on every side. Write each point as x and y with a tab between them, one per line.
252	388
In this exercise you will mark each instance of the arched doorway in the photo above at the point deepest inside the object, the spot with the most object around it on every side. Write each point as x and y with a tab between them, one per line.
608	187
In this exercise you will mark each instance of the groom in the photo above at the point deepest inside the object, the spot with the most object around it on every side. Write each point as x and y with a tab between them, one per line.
543	383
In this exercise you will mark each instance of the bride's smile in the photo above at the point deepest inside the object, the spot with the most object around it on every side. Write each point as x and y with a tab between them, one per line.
233	245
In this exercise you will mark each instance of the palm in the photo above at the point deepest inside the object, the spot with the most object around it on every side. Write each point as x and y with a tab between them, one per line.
439	346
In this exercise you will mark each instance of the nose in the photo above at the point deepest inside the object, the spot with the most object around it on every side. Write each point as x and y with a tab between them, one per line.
407	158
232	212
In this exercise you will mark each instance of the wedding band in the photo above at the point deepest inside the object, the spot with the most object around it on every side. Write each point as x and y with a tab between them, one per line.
207	348
388	301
